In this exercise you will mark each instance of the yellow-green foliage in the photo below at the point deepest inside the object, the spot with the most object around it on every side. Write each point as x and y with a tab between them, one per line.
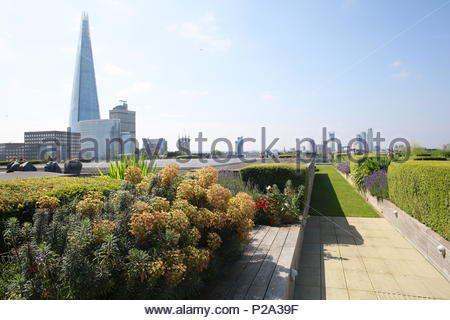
19	196
422	189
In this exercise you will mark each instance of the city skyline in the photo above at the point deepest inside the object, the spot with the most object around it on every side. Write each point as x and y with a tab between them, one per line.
202	68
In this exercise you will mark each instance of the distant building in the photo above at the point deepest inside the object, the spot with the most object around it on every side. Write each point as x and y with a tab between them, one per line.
239	146
60	145
101	139
84	104
127	126
370	139
364	145
184	145
11	151
127	118
357	146
332	143
155	146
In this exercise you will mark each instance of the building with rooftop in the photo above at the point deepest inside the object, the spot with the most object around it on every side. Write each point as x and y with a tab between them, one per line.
127	126
59	145
100	139
11	151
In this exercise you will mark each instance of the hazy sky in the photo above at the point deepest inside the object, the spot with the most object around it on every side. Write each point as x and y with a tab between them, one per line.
227	68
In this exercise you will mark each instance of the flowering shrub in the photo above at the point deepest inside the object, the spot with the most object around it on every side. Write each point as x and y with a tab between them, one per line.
278	207
101	229
218	196
267	212
46	202
377	184
367	167
344	167
169	174
133	175
91	205
131	245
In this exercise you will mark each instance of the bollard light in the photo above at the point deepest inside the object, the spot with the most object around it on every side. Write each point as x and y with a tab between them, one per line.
441	249
294	274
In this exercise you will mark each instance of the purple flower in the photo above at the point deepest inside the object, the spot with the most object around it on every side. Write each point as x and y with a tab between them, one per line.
344	167
39	258
376	183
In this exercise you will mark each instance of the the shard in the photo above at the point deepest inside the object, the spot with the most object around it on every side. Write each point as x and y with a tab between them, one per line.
84	104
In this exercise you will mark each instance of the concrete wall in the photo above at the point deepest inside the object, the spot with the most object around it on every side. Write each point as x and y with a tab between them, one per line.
295	263
421	237
308	192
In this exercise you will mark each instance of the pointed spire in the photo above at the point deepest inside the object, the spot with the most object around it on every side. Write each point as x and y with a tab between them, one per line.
84	104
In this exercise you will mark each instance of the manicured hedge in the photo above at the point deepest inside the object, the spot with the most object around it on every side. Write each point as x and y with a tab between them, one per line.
263	175
186	156
422	189
431	158
18	196
287	155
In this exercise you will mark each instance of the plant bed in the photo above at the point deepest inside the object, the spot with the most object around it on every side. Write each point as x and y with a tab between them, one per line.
163	237
423	238
270	261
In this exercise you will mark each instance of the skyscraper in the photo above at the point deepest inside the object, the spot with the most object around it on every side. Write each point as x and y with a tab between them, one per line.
370	139
84	104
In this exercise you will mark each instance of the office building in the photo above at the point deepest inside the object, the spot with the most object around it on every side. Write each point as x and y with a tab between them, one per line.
59	145
239	146
364	145
127	118
127	125
84	105
154	147
11	151
331	141
370	139
101	139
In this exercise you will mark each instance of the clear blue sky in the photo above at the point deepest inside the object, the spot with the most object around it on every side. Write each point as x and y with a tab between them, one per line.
229	67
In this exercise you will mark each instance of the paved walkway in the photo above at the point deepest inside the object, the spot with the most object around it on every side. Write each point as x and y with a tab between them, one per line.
363	258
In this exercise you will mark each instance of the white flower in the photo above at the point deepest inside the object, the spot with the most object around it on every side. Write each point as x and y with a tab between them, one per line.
268	188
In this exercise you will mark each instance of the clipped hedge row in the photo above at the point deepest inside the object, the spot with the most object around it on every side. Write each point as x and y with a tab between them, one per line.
18	196
287	155
430	158
422	189
263	175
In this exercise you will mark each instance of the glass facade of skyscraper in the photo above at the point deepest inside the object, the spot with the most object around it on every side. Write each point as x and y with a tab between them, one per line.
84	104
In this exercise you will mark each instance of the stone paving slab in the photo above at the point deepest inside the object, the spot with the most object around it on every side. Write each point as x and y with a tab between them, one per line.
363	258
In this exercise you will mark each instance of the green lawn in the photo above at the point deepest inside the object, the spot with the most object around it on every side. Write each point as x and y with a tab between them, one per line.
333	196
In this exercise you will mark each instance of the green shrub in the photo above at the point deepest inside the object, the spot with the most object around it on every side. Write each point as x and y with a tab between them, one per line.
117	168
367	167
263	175
187	156
422	189
278	208
431	158
236	185
18	197
287	155
133	245
423	155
